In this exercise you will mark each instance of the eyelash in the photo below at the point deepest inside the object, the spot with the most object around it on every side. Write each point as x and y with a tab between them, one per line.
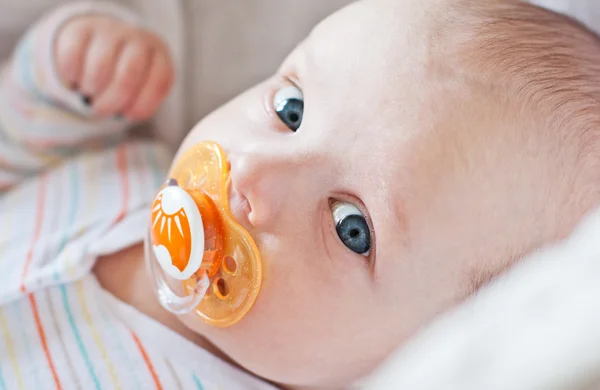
282	81
292	80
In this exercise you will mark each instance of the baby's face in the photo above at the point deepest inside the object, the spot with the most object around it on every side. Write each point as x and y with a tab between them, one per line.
347	170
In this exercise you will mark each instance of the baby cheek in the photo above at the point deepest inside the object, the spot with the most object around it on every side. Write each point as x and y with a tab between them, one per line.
320	328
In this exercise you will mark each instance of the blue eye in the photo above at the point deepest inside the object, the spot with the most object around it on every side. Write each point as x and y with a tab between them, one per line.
289	105
352	227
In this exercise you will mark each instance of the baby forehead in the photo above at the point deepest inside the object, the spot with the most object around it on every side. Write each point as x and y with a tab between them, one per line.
378	57
371	72
408	73
390	38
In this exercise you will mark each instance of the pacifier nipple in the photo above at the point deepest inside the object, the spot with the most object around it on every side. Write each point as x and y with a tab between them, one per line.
200	258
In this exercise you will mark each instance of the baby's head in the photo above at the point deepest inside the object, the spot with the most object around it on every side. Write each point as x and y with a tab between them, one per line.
438	141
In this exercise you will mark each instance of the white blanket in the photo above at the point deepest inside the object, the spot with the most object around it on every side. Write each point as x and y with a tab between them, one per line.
536	328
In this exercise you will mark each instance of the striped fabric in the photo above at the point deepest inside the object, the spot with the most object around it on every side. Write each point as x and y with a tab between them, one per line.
70	192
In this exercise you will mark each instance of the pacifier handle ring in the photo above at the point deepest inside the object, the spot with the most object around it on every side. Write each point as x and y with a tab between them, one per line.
168	298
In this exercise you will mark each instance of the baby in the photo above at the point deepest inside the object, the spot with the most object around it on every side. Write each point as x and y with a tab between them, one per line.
405	154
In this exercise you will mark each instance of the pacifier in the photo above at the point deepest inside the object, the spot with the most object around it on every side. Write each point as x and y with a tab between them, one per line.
200	258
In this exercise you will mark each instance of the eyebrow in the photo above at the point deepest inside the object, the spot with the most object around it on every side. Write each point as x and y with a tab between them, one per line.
296	62
478	279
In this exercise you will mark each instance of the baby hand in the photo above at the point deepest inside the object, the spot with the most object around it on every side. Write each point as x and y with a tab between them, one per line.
118	68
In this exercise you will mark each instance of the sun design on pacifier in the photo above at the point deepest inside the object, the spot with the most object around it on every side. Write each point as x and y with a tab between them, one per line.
174	217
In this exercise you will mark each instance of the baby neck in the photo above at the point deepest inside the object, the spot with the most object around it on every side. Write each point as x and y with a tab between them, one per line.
124	275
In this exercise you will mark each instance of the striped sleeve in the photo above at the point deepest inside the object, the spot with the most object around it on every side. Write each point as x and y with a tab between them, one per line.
43	121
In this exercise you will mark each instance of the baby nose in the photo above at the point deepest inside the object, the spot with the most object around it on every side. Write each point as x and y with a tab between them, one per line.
271	182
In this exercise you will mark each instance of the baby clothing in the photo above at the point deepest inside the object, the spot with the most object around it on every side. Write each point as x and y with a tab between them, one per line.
73	188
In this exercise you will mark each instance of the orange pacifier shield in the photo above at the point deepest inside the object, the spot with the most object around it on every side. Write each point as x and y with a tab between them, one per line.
200	258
